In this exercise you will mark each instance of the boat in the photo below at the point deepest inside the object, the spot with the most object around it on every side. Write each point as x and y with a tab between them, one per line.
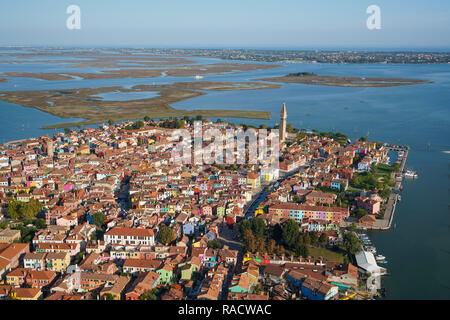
383	262
410	174
370	249
380	257
197	77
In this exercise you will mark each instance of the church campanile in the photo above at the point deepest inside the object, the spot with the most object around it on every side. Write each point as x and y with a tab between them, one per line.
283	118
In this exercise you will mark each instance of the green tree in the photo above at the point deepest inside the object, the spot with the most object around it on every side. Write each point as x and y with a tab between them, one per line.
31	209
249	241
108	296
148	295
271	246
323	239
146	118
277	232
290	233
352	244
244	225
138	124
110	122
165	234
99	219
66	130
290	128
306	239
214	244
314	237
297	199
14	209
301	249
258	227
361	212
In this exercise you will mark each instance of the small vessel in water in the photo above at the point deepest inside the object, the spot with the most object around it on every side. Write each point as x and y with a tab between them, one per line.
380	257
198	77
370	249
410	174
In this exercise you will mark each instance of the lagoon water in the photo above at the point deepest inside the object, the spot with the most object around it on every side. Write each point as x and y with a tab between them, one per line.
418	247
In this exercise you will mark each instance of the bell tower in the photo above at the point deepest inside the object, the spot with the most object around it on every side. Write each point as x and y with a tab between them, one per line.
283	118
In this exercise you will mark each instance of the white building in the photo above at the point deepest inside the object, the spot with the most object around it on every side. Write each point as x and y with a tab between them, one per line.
366	261
130	236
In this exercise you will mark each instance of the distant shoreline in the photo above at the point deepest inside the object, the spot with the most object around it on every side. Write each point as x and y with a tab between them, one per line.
339	81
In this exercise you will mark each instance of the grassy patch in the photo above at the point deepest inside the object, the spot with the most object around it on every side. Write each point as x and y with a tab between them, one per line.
327	254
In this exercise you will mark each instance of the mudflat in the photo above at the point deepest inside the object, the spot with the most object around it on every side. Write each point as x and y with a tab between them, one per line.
176	71
86	104
339	81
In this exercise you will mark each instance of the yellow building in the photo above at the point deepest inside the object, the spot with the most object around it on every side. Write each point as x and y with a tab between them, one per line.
57	261
26	293
9	236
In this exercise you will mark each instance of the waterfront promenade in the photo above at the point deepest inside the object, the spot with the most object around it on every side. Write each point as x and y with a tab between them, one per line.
386	222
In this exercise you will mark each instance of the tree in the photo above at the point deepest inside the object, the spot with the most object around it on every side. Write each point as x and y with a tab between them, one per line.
260	246
277	232
301	249
110	122
297	199
148	295
323	239
214	244
66	130
258	227
351	243
165	234
306	239
290	233
14	209
290	128
352	227
271	246
99	219
146	118
31	209
108	296
361	212
244	225
314	237
249	241
138	124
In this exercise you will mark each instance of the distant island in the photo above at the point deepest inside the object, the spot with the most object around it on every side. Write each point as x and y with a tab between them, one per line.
338	81
86	104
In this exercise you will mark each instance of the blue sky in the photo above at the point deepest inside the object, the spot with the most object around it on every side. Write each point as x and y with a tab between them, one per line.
230	23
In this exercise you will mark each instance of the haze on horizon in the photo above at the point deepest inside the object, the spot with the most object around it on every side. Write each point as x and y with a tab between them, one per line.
232	23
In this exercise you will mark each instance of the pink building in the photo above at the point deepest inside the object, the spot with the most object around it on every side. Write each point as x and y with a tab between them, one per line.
371	206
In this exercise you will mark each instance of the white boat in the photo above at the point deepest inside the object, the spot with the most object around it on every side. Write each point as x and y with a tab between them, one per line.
370	249
380	257
197	77
410	174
